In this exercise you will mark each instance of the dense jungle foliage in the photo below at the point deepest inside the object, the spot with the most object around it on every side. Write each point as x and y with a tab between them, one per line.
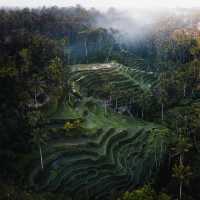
72	89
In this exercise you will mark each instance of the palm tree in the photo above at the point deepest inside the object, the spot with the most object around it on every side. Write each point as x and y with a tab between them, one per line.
183	79
84	35
143	101
86	49
38	85
158	138
162	94
36	122
38	139
162	101
182	146
181	172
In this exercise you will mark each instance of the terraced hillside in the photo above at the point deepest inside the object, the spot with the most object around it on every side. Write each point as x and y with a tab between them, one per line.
111	81
115	153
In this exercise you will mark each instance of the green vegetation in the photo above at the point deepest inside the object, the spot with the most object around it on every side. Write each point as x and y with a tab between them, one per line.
84	115
107	155
145	193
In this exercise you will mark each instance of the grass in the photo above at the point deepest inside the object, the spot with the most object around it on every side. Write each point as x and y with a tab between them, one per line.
116	151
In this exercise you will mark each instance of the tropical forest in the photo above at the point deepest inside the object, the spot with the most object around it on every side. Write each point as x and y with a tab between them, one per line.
99	105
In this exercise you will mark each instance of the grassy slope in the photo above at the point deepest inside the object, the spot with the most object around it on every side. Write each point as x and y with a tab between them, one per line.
96	117
123	154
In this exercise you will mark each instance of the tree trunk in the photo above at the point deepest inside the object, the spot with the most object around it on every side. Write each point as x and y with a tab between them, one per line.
109	54
177	127
142	113
161	147
86	50
180	190
116	105
184	90
87	193
155	154
162	111
195	143
35	97
100	40
41	157
181	159
68	58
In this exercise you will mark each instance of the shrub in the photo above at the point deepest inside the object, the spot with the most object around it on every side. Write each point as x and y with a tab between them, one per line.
144	193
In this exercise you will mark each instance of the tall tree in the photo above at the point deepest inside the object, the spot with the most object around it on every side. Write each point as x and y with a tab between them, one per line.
181	172
37	122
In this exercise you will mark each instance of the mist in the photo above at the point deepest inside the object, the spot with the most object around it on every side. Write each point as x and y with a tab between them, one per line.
136	24
103	4
133	20
129	24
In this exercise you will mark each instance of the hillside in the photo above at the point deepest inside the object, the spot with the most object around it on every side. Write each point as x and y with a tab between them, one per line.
99	105
114	152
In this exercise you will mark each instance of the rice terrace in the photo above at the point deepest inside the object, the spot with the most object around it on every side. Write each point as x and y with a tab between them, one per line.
100	100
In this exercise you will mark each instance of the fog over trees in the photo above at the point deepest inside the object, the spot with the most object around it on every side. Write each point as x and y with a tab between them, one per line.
99	104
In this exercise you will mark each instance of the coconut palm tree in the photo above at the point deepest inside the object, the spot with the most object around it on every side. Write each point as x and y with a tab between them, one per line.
37	86
36	122
143	101
38	139
162	94
180	172
182	146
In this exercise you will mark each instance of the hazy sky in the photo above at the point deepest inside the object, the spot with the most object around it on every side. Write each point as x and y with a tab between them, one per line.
103	4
